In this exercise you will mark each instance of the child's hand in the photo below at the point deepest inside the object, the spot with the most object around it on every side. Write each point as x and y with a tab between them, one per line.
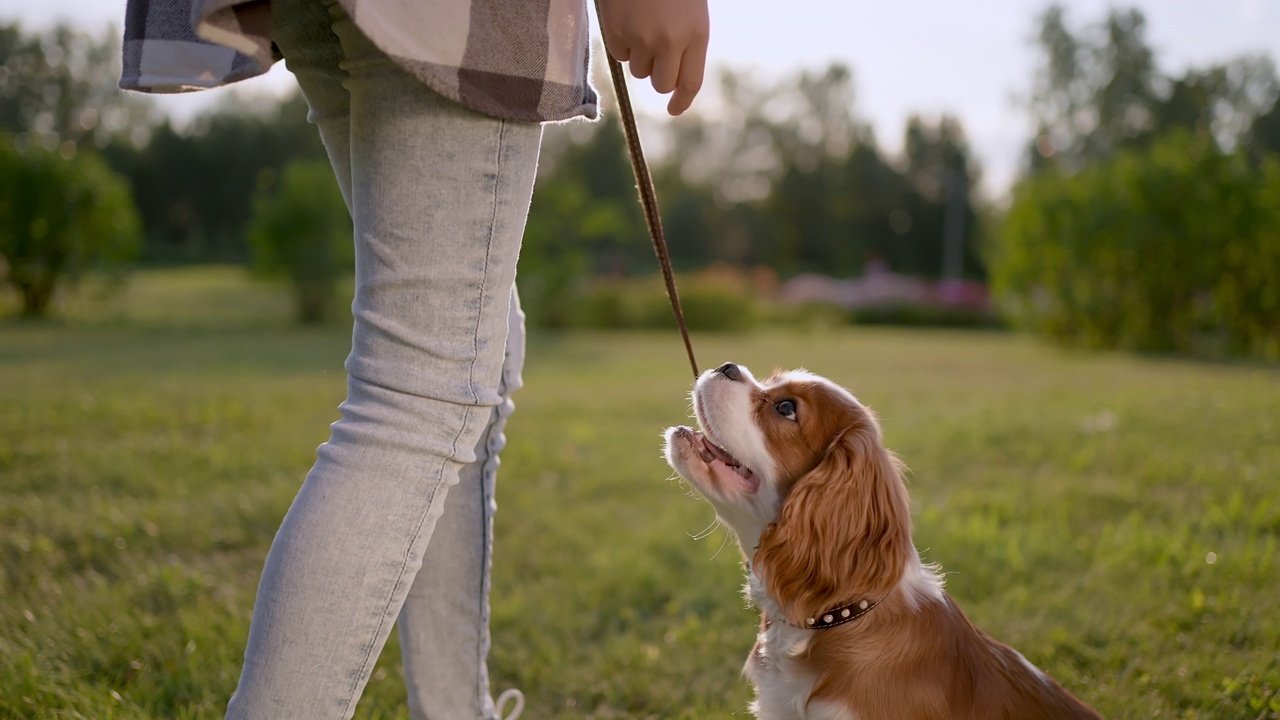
663	38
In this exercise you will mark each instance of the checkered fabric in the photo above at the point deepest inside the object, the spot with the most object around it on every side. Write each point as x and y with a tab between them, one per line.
513	59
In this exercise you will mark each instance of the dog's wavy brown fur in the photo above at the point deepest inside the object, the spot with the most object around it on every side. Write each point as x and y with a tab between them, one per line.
843	533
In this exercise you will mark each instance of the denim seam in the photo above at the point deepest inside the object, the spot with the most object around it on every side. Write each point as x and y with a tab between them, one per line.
481	660
488	491
493	221
366	666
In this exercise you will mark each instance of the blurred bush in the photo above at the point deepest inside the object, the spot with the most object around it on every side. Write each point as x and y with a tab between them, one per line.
730	299
554	259
925	316
718	298
62	214
1171	248
710	300
300	231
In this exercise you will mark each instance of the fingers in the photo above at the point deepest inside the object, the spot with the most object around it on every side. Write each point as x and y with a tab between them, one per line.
641	64
618	51
673	71
692	68
666	71
665	40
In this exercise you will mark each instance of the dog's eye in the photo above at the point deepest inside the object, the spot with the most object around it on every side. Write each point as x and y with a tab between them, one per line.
786	408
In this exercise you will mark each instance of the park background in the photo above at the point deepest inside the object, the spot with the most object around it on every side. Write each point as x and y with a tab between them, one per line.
1042	241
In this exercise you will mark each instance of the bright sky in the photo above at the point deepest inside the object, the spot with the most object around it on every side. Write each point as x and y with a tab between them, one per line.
973	59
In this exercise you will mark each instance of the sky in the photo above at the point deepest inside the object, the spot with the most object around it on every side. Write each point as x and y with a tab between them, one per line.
973	58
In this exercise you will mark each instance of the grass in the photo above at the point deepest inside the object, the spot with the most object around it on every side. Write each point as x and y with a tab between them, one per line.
1115	518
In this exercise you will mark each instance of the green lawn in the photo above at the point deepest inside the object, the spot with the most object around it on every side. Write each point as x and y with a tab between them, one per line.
1115	518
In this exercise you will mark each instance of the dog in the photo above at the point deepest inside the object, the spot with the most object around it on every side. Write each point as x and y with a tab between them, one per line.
854	626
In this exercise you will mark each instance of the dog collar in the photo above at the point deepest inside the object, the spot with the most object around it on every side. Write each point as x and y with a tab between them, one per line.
835	616
841	615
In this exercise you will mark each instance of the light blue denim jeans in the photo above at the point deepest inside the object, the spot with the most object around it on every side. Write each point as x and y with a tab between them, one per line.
439	197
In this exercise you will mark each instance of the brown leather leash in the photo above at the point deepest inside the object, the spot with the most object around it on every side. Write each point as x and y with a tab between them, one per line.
648	198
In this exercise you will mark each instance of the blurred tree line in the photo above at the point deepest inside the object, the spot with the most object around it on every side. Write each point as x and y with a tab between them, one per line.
195	188
1145	218
786	175
63	211
1149	218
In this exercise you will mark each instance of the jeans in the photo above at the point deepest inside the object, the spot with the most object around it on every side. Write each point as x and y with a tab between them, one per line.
439	196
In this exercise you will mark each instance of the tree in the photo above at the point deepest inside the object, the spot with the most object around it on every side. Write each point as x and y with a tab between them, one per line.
599	169
1266	131
1169	248
937	221
811	189
196	186
60	218
564	222
1098	92
301	231
59	89
789	176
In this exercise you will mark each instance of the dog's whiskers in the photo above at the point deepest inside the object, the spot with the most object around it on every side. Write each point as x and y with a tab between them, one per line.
706	532
724	540
692	491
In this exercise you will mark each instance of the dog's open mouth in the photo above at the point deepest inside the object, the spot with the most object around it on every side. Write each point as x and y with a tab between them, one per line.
723	470
711	452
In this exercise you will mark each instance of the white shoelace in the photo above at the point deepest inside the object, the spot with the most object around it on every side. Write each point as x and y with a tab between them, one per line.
506	695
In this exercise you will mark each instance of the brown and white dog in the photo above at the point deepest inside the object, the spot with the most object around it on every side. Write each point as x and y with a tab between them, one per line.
853	625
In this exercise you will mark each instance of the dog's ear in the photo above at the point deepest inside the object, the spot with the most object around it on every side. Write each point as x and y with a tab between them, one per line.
844	530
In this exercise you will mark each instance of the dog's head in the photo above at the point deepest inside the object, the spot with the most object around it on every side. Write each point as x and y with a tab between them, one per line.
796	467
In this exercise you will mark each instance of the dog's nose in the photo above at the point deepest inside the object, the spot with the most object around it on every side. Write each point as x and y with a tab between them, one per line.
730	371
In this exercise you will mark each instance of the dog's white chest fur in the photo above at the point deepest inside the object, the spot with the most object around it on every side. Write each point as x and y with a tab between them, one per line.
783	683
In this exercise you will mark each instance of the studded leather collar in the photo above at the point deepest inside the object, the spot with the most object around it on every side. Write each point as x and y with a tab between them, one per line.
835	616
841	615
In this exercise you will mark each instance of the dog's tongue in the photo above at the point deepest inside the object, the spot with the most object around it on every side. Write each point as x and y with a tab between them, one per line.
719	452
732	466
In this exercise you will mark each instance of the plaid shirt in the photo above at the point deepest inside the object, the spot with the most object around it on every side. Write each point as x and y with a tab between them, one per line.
513	59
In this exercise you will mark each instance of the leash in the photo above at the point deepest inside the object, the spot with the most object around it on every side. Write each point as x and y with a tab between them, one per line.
648	198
